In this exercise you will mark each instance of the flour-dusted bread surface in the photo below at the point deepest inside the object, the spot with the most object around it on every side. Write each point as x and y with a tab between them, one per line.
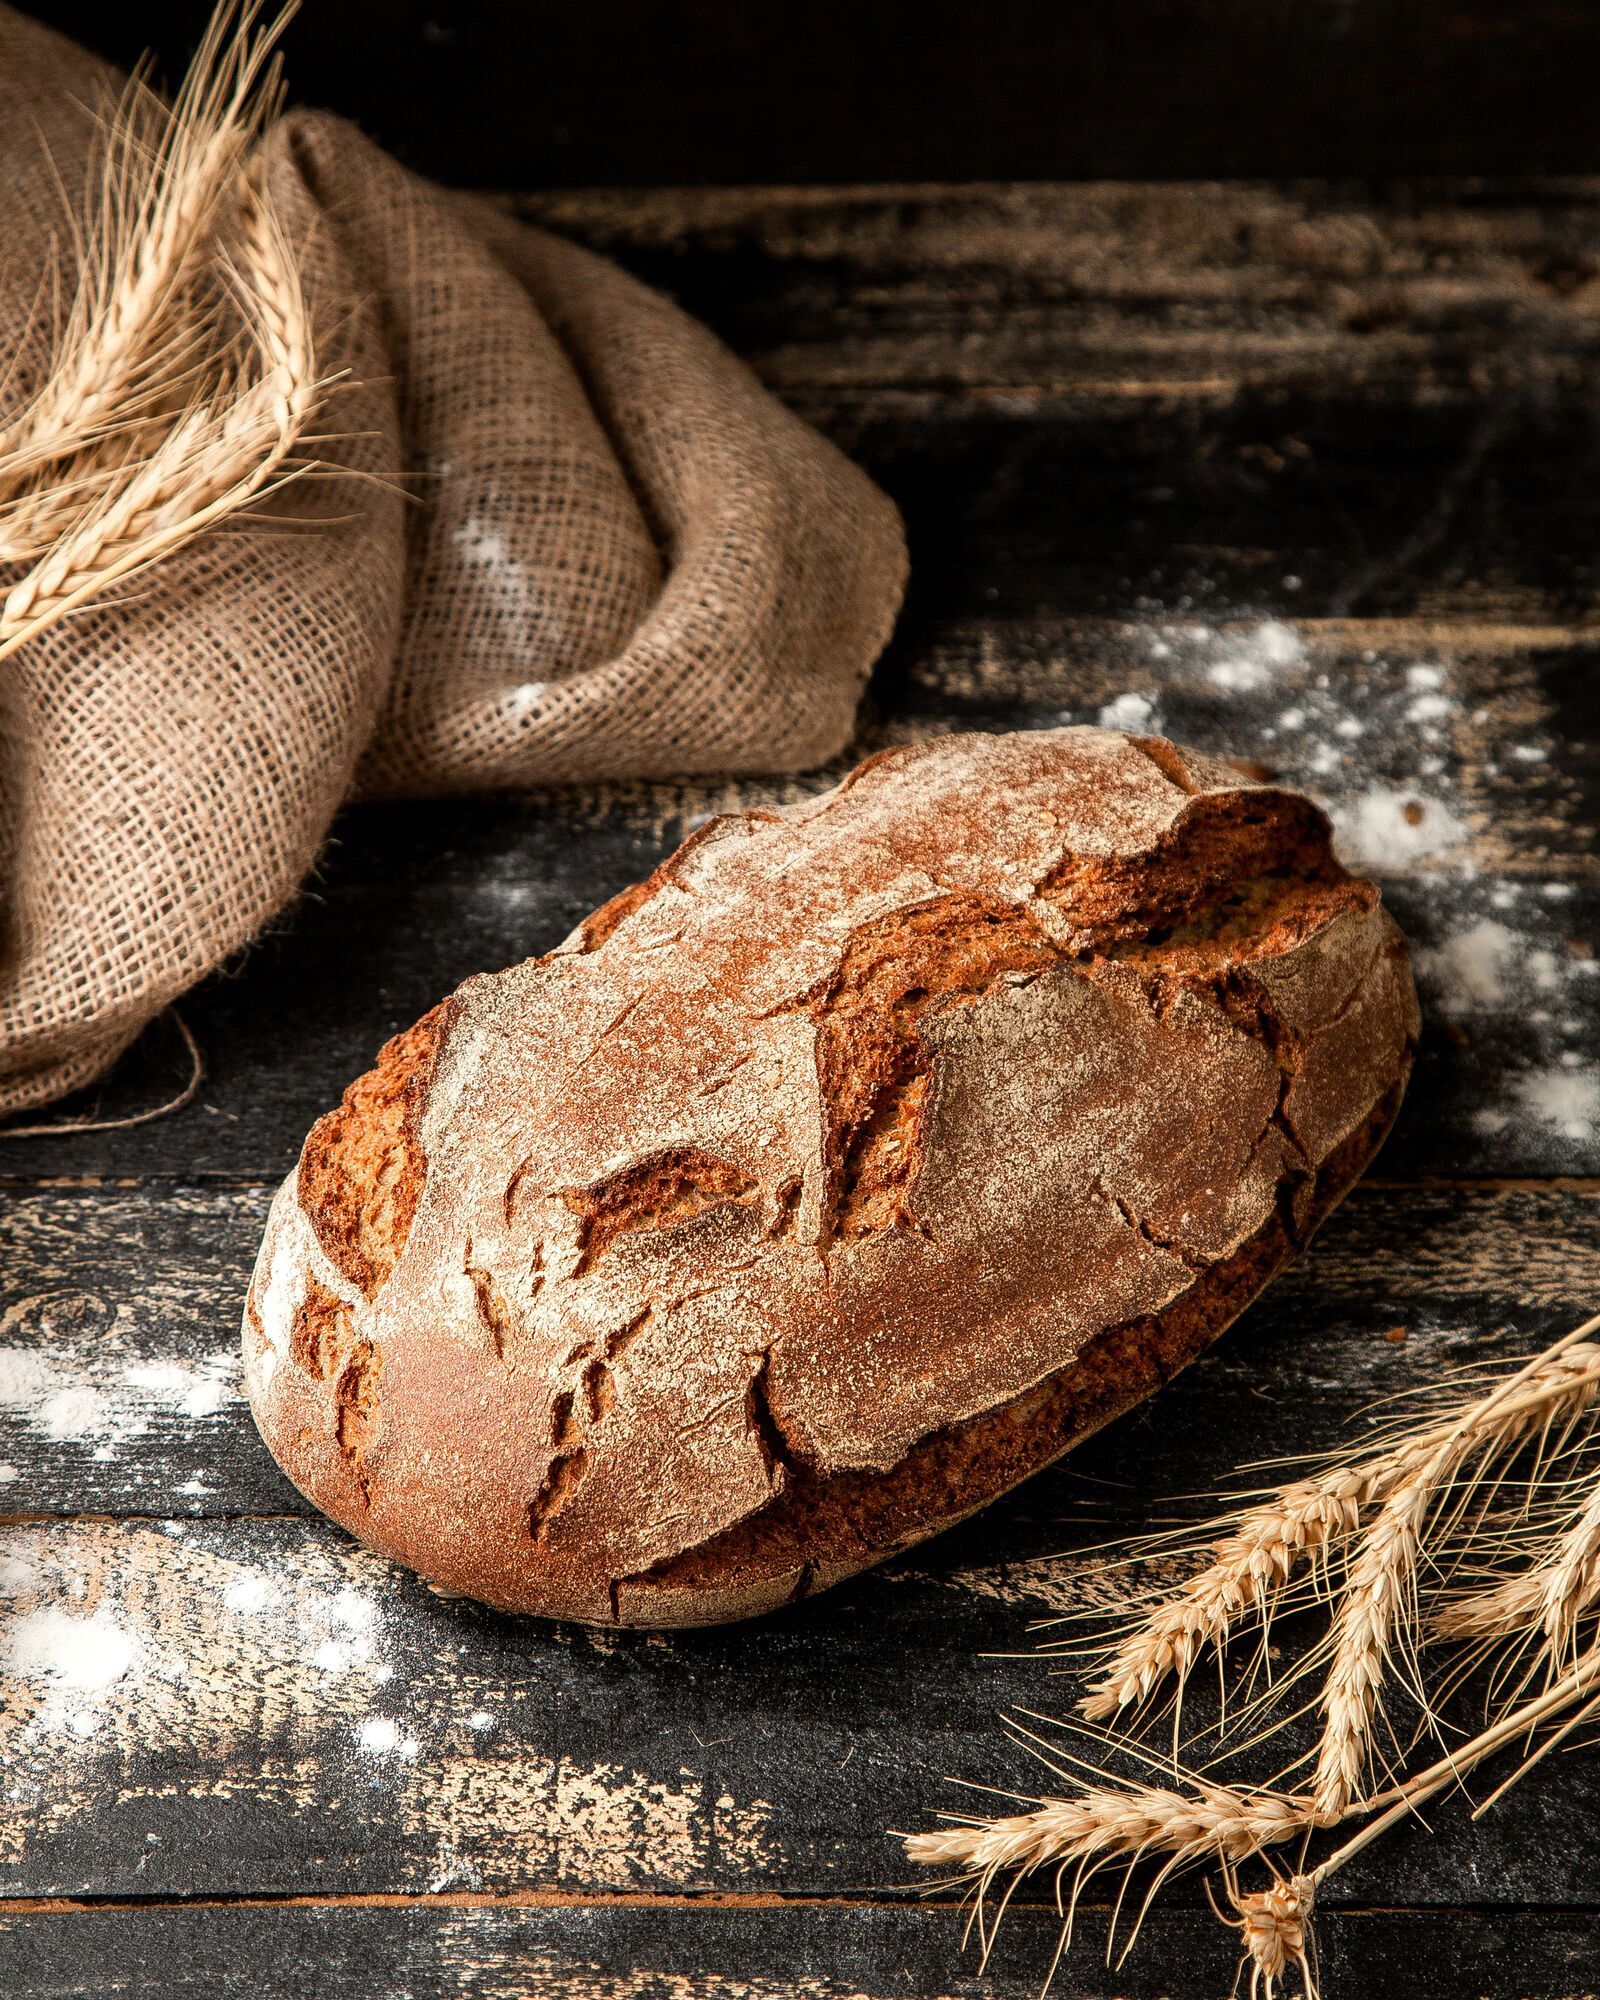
829	1182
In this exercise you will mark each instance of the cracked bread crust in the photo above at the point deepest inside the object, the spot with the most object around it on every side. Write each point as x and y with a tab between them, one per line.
829	1182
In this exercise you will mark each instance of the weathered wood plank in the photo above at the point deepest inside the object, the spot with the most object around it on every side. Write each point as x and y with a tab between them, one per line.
119	1314
1107	398
1408	429
811	1952
258	1708
283	1712
1188	288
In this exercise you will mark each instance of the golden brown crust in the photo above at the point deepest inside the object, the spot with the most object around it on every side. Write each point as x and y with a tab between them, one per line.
362	1166
830	1181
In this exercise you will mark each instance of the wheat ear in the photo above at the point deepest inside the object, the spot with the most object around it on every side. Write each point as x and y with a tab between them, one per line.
1379	1589
1549	1598
1104	1822
137	327
1251	1566
1302	1522
214	460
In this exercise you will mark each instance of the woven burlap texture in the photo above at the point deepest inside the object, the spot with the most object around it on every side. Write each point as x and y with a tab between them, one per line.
566	537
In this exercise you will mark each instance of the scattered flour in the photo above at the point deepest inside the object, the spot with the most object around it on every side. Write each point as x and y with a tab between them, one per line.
86	1389
1385	828
1374	740
1252	659
522	624
484	547
78	1652
525	699
1566	1099
248	1592
1496	959
1470	970
1134	712
1386	744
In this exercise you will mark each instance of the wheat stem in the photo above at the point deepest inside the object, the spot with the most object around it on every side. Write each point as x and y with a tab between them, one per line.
1103	1822
168	173
1252	1565
1549	1598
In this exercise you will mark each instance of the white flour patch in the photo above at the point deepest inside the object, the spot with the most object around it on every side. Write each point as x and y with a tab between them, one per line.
525	699
16	1577
137	1638
1134	712
77	1652
248	1592
1387	829
1564	1099
1375	739
1471	969
1501	962
484	547
521	624
1253	659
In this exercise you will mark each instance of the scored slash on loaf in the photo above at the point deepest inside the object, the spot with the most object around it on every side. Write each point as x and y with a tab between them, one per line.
826	1184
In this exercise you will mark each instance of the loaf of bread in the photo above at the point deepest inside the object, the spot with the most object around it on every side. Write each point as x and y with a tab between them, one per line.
831	1181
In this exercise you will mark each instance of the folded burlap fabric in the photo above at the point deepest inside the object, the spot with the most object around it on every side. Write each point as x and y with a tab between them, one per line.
563	535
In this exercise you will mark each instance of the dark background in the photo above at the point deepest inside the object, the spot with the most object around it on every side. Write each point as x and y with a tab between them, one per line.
532	93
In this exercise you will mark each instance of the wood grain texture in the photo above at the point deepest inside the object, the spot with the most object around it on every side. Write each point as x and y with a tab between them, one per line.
1294	474
810	1952
260	1709
1457	777
119	1326
1105	399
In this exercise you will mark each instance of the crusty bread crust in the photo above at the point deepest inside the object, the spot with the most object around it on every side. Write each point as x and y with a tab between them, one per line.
831	1181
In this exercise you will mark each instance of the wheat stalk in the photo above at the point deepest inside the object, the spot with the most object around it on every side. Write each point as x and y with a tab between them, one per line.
1104	1822
1548	1598
225	450
1428	1486
1305	1519
1378	1599
1251	1566
1230	1825
139	327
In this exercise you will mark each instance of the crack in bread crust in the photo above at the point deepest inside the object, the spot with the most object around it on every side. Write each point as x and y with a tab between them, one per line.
842	1524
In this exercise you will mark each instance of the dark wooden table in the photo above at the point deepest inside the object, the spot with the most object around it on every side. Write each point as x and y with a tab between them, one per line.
1303	475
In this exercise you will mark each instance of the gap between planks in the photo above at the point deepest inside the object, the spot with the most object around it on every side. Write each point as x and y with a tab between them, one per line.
710	1899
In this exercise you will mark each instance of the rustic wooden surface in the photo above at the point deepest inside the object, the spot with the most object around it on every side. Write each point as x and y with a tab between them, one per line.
1292	475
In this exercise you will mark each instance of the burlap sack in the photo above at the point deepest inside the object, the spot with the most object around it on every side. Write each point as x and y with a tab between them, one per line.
588	544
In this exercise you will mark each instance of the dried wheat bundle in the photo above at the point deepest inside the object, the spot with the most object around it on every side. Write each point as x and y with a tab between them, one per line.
182	378
1501	1487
